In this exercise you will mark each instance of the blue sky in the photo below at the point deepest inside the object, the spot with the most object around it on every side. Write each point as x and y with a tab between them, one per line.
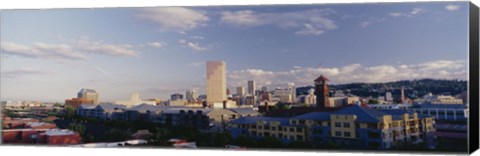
49	55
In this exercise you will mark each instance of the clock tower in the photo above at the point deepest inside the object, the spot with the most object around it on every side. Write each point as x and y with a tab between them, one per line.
321	91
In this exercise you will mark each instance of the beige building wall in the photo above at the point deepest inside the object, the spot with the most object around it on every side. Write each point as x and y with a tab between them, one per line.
216	82
346	126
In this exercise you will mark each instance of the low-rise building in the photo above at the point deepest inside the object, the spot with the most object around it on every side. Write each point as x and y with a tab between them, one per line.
452	112
101	111
134	100
353	127
76	102
40	136
389	106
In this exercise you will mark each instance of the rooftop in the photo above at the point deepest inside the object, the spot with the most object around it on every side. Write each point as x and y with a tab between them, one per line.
87	90
321	78
59	132
318	116
244	110
147	107
363	114
253	120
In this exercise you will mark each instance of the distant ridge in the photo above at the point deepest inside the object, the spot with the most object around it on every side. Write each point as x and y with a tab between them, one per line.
413	88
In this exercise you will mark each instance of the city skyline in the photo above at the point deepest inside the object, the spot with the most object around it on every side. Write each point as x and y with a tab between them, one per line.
119	51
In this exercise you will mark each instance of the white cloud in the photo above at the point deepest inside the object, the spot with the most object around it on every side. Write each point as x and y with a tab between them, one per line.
414	12
100	69
309	22
193	45
441	69
452	7
417	11
371	21
198	37
155	44
243	18
99	47
42	50
174	18
23	71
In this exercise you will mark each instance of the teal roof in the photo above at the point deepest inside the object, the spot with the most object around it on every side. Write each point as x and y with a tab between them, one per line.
317	116
363	114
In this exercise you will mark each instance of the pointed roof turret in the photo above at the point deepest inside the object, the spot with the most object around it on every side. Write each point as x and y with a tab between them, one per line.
321	78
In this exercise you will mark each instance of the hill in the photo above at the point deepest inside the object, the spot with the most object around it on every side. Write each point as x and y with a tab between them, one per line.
412	88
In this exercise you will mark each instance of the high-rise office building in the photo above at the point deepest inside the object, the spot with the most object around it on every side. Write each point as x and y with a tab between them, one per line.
293	92
321	92
88	94
264	89
241	91
402	95
191	95
388	96
216	82
176	96
251	87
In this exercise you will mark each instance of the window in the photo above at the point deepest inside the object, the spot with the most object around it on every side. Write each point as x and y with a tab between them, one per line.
254	126
266	134
292	137
280	135
294	121
338	124
259	127
299	129
301	122
254	133
346	134
317	131
274	128
292	129
299	137
338	133
346	125
266	127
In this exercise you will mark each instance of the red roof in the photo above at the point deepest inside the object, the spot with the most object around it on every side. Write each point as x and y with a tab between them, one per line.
321	78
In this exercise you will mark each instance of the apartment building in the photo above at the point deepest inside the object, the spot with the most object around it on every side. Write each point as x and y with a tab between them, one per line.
351	127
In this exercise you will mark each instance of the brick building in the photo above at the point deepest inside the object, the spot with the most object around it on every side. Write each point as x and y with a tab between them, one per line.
40	136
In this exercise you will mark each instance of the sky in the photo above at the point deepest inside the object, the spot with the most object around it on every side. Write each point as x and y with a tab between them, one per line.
50	54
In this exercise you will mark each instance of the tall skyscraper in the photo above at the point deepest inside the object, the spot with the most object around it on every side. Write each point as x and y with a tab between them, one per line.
191	95
176	96
241	91
388	96
216	82
264	89
88	94
251	87
402	96
321	91
293	92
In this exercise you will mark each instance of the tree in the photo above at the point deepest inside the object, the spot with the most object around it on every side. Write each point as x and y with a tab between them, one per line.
373	101
69	112
245	141
77	127
115	135
269	142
